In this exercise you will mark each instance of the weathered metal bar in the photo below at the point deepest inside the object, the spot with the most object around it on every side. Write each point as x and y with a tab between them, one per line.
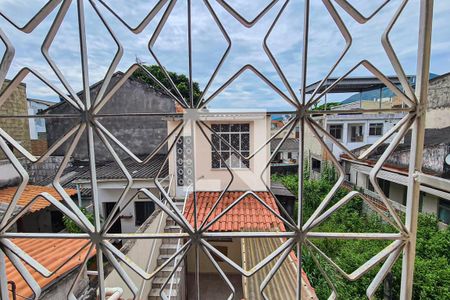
417	145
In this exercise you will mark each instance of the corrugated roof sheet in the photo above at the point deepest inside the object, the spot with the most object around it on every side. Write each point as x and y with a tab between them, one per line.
111	170
249	213
283	285
50	253
29	193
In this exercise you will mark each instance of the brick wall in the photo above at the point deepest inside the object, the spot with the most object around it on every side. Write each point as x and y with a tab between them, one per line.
39	147
19	129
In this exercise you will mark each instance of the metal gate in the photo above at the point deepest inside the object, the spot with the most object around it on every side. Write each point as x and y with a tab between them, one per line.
89	116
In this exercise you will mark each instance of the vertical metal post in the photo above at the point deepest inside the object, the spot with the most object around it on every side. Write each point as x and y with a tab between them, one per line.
301	151
418	134
3	278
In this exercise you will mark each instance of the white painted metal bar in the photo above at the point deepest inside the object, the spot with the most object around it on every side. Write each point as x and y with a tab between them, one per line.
417	144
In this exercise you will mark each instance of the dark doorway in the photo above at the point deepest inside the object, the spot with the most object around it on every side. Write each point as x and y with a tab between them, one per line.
117	226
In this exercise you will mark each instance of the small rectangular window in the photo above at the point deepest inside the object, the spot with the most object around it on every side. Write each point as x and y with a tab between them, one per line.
356	133
143	210
376	129
227	138
315	165
336	131
444	211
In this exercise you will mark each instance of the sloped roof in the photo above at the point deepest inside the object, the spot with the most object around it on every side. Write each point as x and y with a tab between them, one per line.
112	171
290	144
50	253
29	193
256	249
249	213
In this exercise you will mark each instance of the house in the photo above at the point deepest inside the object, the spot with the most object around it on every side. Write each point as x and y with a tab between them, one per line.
288	151
134	96
355	130
65	265
37	125
393	176
41	215
245	132
111	183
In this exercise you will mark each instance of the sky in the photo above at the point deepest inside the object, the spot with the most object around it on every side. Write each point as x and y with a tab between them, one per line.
285	42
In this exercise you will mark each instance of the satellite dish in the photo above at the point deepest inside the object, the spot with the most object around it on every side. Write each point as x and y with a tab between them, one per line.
447	159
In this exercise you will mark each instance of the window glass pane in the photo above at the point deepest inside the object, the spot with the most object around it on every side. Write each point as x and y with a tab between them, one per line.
235	127
238	137
235	142
216	127
245	142
225	127
226	158
235	161
216	141
444	211
215	160
143	210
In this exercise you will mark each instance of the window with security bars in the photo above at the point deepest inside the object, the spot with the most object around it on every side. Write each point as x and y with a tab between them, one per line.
227	140
336	131
376	129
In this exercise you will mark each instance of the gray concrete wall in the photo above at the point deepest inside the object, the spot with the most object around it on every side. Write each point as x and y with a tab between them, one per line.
439	102
139	134
433	158
60	288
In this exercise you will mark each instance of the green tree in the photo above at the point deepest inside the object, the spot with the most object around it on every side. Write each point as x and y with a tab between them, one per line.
181	82
72	227
432	267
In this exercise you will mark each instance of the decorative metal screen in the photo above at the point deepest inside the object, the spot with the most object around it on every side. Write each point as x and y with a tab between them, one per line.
87	129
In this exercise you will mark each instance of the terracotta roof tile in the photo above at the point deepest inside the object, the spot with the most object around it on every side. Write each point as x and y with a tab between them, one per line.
249	213
50	253
31	191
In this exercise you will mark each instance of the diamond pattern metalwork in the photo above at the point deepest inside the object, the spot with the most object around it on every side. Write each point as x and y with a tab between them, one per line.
300	232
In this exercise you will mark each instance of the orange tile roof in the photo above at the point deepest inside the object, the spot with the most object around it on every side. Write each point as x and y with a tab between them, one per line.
50	253
249	213
29	193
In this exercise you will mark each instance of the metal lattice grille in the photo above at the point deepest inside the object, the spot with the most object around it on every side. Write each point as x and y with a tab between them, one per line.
192	124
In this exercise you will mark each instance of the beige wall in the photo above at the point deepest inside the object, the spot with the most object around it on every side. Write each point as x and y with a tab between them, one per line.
438	118
234	253
17	128
209	179
430	204
141	258
396	192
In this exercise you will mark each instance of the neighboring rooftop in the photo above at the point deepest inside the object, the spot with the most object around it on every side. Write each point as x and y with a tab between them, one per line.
249	213
278	189
254	250
290	144
354	84
111	170
31	192
51	254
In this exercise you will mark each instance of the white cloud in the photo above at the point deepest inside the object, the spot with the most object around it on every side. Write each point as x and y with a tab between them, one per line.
326	42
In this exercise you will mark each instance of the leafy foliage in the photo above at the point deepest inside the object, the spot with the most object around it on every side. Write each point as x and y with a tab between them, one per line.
72	227
432	267
181	82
